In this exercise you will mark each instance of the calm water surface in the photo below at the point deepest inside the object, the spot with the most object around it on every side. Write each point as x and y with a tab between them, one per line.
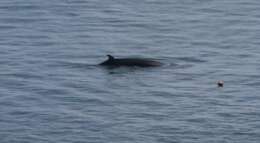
52	91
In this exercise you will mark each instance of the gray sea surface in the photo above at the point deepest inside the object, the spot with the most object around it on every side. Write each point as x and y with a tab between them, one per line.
53	91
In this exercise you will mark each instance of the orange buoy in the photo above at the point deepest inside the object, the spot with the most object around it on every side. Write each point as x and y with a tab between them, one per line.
220	83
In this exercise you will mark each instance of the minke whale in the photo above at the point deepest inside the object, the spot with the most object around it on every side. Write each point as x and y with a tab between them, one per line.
131	62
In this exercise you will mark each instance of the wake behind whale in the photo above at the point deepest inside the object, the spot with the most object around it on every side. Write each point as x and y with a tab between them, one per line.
130	62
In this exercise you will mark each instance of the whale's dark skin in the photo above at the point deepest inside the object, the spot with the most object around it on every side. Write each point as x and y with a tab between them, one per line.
130	62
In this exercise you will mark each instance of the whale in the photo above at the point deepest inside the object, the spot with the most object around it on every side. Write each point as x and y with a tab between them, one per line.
130	62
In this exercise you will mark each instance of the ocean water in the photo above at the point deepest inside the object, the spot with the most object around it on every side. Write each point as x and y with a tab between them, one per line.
53	91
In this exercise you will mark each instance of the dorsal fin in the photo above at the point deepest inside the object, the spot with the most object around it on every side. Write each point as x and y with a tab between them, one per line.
110	57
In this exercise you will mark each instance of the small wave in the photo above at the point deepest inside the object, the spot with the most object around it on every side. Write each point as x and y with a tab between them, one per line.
191	59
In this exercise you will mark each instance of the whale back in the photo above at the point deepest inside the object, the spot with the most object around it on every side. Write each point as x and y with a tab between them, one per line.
111	61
